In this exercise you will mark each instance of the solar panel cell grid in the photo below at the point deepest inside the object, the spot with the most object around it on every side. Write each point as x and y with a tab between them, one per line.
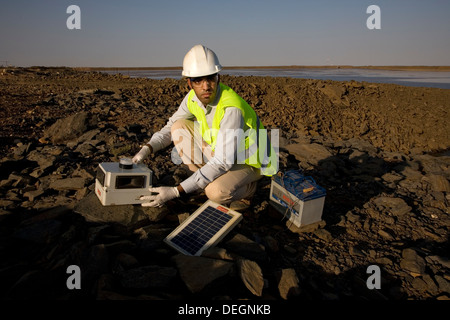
194	236
203	229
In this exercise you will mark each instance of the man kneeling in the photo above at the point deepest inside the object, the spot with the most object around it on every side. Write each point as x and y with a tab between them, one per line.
217	135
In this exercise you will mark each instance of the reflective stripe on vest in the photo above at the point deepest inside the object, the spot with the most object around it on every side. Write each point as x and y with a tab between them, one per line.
256	141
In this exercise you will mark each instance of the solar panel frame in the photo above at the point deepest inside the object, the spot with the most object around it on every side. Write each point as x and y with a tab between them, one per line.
206	227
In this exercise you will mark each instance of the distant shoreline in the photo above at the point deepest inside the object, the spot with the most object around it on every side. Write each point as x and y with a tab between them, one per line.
393	68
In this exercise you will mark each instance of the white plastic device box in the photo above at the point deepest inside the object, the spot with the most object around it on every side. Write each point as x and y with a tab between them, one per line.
123	182
300	198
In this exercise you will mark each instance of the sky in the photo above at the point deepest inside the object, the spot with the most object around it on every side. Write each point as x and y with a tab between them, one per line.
147	33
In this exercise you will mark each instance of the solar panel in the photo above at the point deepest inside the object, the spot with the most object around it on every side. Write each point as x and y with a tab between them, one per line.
203	229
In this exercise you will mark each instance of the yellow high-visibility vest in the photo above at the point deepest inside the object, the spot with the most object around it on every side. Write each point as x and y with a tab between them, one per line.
256	141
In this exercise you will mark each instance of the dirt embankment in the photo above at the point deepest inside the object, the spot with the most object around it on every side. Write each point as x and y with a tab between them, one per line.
367	144
391	117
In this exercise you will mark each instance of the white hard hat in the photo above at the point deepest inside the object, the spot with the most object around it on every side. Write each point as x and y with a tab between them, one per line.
200	61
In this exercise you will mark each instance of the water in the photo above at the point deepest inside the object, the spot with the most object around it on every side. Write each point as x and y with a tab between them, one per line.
435	79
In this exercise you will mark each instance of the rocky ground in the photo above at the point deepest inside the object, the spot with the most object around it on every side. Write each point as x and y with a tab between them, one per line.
373	147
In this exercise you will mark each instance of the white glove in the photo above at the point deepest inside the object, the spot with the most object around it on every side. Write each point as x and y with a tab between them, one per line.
163	194
141	155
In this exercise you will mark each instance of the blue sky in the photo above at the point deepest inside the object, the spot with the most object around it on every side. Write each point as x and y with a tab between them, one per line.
242	33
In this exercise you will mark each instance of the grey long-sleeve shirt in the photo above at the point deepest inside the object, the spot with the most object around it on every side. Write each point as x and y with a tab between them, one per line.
226	147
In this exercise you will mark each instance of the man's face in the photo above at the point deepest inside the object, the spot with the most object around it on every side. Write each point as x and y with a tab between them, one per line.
205	87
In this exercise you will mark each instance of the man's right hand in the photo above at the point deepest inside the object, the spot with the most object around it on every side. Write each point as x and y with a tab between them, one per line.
142	154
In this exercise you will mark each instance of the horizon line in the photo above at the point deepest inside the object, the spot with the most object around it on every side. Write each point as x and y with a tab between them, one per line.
379	67
390	67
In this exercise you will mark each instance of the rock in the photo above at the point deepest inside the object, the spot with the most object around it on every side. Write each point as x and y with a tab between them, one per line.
419	284
117	247
45	158
87	136
251	275
6	183
31	195
395	206
95	264
444	285
386	233
211	270
445	262
306	228
6	204
126	261
351	217
271	243
70	128
86	149
4	214
288	283
323	234
92	210
183	217
432	287
19	181
81	193
437	182
216	253
434	165
44	231
384	261
358	157
29	284
79	172
355	251
362	146
336	94
310	153
151	237
151	276
21	150
410	173
76	183
391	177
13	195
412	262
245	247
289	249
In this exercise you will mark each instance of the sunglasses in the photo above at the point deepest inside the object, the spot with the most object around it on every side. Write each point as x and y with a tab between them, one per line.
196	82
